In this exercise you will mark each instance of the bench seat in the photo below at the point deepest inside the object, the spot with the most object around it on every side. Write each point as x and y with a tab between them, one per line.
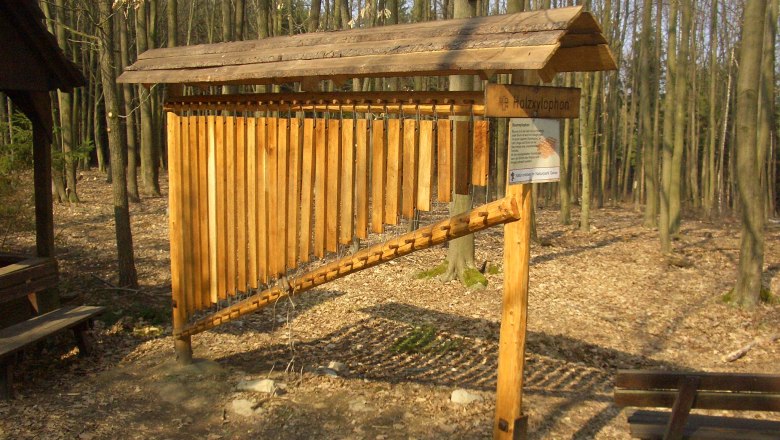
18	336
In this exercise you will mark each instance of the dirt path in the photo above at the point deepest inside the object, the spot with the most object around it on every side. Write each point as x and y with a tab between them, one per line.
599	302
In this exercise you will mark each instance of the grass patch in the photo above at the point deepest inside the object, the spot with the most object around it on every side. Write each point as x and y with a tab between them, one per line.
473	279
157	316
424	339
434	272
493	269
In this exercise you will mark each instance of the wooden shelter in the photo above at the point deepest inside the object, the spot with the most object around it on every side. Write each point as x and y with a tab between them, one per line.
262	184
32	65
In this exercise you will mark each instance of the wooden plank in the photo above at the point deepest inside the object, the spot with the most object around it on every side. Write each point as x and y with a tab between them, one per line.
230	206
251	202
462	156
28	332
346	225
283	141
203	212
188	279
495	213
652	424
212	208
480	154
307	188
284	100
444	162
240	193
333	184
519	101
220	124
294	191
425	166
681	408
194	214
9	293
27	270
393	185
704	400
361	179
669	380
409	185
262	201
320	186
272	190
378	175
583	59
175	221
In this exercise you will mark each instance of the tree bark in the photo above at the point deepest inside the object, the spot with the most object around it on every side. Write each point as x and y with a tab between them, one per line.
129	120
149	172
645	113
124	237
66	101
681	107
664	227
751	256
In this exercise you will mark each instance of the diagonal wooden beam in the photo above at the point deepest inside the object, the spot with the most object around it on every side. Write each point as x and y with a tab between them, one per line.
496	213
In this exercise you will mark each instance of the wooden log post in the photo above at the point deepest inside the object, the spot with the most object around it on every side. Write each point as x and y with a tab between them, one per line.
509	422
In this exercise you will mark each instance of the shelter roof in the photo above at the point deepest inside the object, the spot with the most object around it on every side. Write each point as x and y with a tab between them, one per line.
547	41
30	59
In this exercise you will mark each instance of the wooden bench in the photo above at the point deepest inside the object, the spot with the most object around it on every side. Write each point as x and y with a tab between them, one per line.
15	338
685	391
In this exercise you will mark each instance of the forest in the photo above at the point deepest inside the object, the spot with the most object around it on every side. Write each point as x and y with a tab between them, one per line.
657	249
661	133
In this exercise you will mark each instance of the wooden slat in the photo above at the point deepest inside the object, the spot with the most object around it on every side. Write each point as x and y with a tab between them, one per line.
462	156
294	192
652	424
194	213
220	124
262	200
203	212
665	380
212	208
378	175
393	185
188	262
346	225
480	158
307	188
230	206
704	400
272	191
175	226
495	213
361	179
283	140
320	186
333	194
241	213
9	293
27	270
444	162
425	165
20	335
409	185
251	202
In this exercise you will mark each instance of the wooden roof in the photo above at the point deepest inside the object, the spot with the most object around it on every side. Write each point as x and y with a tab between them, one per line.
548	41
30	59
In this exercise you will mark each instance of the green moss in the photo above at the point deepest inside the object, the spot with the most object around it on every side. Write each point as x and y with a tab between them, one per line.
434	272
493	269
473	279
728	297
424	339
765	297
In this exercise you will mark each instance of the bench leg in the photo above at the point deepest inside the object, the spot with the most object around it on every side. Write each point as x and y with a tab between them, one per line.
83	339
6	379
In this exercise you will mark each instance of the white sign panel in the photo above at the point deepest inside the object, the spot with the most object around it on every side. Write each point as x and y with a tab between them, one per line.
534	146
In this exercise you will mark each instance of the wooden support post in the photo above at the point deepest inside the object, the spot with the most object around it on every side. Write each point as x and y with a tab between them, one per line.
509	422
47	299
6	378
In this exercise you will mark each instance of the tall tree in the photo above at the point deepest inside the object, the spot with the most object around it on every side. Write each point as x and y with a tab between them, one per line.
664	226
129	117
712	129
680	116
66	109
124	237
149	172
751	255
646	112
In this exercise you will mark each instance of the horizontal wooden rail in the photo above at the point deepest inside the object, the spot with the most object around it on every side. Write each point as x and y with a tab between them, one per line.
499	212
441	103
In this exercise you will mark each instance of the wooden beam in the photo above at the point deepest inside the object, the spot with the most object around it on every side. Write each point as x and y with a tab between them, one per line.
499	212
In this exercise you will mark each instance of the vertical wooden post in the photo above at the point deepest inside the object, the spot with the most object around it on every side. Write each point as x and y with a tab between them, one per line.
509	422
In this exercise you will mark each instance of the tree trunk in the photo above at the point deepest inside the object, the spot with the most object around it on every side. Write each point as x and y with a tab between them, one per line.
66	121
127	91
460	253
712	132
646	115
149	172
766	101
751	255
173	22
124	237
681	106
664	227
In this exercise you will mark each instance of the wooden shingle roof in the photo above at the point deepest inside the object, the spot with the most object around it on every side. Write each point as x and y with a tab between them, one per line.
548	41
